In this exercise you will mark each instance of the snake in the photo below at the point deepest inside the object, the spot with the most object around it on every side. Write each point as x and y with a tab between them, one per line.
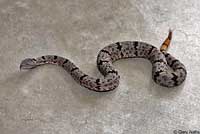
167	71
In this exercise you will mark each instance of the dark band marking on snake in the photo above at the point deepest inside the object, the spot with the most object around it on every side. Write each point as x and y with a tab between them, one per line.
119	47
73	69
82	77
106	52
150	50
173	62
55	57
65	62
166	70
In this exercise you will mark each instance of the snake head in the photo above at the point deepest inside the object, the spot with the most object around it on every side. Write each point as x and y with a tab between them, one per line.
28	63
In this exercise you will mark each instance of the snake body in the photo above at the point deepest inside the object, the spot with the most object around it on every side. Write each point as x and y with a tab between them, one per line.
166	70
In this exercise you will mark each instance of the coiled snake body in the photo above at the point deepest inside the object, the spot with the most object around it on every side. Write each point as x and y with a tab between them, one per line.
166	70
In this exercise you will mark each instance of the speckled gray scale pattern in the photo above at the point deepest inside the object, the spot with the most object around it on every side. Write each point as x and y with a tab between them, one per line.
166	70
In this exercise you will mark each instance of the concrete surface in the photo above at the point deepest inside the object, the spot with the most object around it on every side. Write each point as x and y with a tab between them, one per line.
47	100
